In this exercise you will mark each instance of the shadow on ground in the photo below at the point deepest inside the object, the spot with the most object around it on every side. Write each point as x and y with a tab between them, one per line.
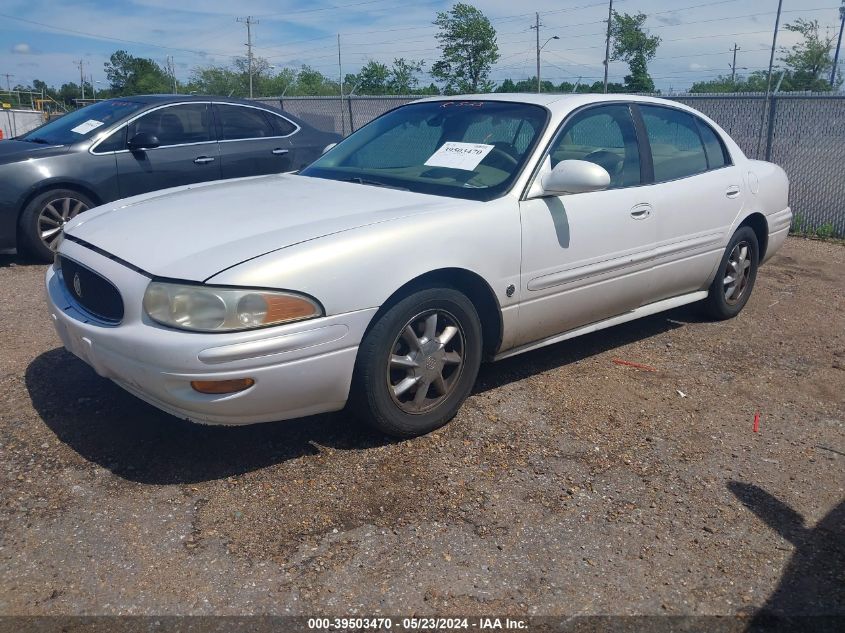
136	441
813	583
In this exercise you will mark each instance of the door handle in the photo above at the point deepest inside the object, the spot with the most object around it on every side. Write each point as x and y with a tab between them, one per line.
279	151
641	211
202	160
733	191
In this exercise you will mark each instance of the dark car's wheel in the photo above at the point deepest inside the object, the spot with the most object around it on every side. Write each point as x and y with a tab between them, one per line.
735	276
43	220
418	363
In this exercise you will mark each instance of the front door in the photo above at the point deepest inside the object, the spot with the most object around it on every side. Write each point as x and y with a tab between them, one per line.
187	151
585	257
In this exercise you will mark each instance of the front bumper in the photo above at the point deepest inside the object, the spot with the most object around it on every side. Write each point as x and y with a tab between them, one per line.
299	369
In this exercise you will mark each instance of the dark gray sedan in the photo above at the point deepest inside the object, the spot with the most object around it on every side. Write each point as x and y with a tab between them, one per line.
122	147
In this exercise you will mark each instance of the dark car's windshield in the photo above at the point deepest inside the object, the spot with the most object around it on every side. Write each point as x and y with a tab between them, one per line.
464	149
83	123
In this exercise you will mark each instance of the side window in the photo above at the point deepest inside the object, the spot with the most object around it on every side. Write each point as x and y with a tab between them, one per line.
675	143
603	135
114	143
176	125
713	147
281	126
239	122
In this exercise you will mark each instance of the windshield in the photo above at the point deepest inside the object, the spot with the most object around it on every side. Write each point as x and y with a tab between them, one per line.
463	149
83	123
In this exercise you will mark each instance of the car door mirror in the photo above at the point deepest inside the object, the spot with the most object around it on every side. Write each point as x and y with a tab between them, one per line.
328	147
575	176
142	141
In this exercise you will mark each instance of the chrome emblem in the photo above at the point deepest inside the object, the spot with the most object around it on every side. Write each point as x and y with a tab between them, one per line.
77	285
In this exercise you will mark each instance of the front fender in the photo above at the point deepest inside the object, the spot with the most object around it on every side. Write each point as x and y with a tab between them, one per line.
363	267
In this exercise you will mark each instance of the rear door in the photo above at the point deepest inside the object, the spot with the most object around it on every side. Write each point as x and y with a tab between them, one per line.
253	141
187	152
697	195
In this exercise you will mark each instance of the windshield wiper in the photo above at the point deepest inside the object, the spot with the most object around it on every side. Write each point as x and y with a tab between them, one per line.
40	141
375	183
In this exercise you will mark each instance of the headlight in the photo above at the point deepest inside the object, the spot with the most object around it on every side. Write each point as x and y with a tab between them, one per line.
210	309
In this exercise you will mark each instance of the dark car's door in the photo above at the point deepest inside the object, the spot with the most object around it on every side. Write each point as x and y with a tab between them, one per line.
253	141
187	150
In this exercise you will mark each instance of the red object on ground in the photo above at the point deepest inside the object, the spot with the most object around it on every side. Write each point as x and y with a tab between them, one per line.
629	363
756	422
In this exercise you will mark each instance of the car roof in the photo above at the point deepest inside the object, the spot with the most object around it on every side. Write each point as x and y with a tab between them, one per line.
558	103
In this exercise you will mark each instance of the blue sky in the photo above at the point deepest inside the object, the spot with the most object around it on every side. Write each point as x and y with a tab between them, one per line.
42	38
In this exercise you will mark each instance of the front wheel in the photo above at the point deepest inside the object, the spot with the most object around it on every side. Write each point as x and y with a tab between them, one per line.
418	363
735	277
44	218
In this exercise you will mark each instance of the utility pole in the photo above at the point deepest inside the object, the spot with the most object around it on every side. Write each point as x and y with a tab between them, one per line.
733	66
607	43
537	28
249	21
838	43
340	83
8	83
171	70
769	81
81	63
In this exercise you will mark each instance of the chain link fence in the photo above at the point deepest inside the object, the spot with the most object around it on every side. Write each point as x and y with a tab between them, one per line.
803	133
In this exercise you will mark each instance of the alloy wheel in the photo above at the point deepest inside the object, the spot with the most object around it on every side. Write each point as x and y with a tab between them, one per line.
53	217
737	272
426	361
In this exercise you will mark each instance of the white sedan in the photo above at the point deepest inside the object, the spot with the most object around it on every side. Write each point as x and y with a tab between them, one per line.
445	232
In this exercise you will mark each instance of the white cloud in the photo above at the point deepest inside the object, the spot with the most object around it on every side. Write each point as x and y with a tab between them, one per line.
21	49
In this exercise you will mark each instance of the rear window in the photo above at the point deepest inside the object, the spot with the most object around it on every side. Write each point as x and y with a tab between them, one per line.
238	122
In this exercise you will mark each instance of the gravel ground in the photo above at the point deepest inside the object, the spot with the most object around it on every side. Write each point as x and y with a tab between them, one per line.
567	484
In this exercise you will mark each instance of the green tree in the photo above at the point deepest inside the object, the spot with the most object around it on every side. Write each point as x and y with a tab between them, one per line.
809	61
130	75
403	78
371	80
632	43
467	42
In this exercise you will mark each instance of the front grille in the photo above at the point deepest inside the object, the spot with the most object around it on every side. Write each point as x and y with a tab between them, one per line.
92	292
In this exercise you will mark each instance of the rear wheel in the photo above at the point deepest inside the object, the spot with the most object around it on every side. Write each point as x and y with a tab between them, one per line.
418	363
735	277
44	218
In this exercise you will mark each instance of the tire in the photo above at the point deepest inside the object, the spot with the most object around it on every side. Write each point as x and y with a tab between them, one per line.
727	299
46	212
391	369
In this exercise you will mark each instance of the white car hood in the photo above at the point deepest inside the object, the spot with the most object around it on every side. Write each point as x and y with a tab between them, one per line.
196	231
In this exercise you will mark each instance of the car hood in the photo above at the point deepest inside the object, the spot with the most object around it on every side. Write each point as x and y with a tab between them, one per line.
12	151
196	231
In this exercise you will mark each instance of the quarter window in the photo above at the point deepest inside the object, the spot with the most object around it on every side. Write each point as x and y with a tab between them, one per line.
237	122
281	126
176	125
114	143
676	147
713	147
603	135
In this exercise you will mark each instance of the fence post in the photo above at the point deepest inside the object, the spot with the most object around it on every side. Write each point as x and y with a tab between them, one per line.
282	104
351	121
771	131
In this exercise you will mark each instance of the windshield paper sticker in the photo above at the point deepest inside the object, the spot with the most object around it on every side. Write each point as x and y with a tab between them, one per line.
455	155
84	128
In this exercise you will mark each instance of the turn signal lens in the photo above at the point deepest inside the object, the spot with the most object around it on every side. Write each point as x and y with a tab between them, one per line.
222	386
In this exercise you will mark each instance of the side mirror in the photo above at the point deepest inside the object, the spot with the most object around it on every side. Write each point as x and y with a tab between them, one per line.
142	141
575	176
327	148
